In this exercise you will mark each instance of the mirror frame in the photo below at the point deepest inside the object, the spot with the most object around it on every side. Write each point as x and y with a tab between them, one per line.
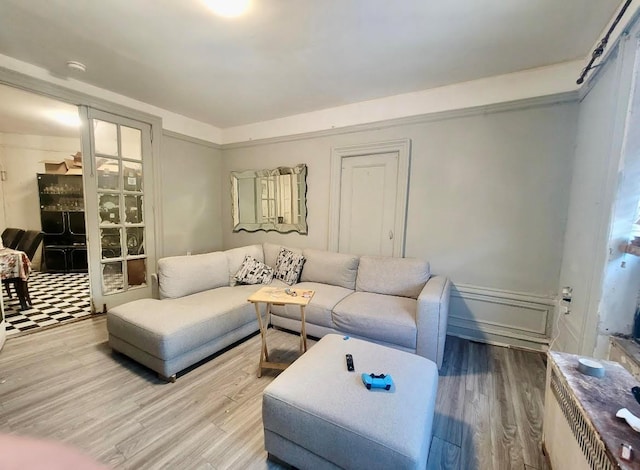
236	176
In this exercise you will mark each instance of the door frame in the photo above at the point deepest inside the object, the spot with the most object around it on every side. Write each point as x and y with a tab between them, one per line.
53	90
400	146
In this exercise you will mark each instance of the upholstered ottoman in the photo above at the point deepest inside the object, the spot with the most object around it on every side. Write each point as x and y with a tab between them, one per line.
316	414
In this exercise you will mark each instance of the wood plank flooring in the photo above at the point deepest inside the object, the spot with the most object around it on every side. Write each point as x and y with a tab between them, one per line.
66	384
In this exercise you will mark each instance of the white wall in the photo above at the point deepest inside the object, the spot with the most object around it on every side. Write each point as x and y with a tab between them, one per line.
191	195
587	208
488	193
602	208
20	155
621	281
488	198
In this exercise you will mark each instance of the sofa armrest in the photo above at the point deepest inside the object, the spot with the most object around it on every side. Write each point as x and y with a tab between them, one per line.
432	317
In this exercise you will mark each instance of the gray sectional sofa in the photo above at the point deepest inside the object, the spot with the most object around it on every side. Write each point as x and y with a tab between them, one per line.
391	301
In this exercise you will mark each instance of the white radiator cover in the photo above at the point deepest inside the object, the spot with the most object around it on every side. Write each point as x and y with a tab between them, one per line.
569	439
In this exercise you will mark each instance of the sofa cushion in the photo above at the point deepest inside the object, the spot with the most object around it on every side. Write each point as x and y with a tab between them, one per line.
327	267
236	258
318	312
253	271
387	318
210	314
392	276
271	252
288	266
183	275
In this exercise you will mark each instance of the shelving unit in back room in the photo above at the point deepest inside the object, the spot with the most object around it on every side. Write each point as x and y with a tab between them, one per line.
63	223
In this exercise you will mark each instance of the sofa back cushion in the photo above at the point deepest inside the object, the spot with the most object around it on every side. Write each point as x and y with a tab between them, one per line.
271	252
235	256
327	267
184	275
392	276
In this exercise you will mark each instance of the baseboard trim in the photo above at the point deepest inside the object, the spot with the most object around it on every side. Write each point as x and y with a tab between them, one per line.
497	340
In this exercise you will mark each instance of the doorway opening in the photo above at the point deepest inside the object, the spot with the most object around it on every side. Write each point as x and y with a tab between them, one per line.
42	190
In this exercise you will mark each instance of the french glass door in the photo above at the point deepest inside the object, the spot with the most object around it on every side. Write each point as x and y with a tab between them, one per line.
118	180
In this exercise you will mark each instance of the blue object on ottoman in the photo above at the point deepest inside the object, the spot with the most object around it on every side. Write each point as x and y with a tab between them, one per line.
377	381
316	414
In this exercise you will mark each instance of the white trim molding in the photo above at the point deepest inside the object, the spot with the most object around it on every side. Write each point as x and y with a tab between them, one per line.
520	104
501	317
403	148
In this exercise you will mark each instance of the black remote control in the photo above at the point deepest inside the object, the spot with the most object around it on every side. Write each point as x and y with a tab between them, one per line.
350	363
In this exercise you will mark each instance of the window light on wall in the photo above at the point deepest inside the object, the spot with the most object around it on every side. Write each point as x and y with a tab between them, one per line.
228	8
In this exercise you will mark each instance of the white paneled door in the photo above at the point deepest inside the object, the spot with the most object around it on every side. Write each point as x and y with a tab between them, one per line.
118	181
368	189
368	198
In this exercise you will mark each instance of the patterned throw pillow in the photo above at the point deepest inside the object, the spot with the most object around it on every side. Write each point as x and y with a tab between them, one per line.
253	271
288	266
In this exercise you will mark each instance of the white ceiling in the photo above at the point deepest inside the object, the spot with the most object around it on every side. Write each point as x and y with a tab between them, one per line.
287	57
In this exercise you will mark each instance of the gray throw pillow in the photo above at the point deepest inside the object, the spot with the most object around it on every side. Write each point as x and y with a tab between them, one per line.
288	266
253	271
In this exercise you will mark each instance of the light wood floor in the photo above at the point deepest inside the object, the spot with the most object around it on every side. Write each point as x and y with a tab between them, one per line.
66	384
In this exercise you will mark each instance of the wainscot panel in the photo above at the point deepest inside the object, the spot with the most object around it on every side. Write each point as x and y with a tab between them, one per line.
500	317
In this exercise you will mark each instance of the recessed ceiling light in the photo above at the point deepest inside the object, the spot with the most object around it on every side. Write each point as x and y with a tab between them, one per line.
75	65
228	8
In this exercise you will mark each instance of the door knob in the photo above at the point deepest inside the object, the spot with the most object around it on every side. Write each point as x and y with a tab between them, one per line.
390	235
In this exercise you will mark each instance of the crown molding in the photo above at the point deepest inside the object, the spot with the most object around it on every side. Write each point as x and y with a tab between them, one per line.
539	101
188	138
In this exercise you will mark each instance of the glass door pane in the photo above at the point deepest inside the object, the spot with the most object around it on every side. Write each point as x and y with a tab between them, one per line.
117	178
106	137
131	143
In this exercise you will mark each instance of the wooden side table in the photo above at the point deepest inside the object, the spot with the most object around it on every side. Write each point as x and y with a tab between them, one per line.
278	296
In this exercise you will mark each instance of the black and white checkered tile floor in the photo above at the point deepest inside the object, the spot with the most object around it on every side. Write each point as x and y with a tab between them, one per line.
56	298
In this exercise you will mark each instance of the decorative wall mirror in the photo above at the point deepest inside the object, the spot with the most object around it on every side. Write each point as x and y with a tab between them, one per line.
270	199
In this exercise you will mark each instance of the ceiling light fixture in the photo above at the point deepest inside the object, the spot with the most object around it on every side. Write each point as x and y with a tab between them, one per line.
75	65
228	8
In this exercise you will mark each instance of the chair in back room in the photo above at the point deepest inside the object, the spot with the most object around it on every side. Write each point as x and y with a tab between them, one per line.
29	243
11	237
